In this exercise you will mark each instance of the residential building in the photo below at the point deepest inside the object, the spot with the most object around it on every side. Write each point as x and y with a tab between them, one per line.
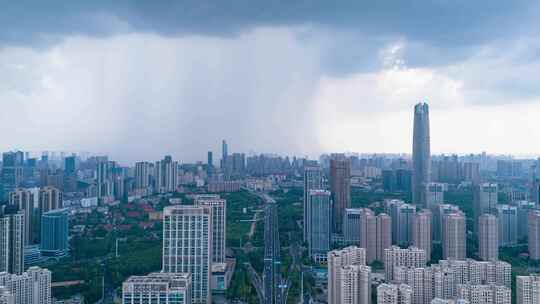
157	288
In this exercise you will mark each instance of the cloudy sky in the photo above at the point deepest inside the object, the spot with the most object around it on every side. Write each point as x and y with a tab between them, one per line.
139	79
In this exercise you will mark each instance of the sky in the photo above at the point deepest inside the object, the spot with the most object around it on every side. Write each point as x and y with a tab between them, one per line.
140	79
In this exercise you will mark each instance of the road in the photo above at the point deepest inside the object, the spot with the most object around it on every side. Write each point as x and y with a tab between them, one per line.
273	283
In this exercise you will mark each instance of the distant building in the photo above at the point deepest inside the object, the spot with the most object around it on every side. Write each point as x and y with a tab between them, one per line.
523	209
142	175
435	195
166	175
54	233
224	186
438	216
485	200
338	262
484	294
158	288
488	237
25	200
396	257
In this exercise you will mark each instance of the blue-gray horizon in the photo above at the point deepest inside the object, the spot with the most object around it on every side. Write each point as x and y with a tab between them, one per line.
139	80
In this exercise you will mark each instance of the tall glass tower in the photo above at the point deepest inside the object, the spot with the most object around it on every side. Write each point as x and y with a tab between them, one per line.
421	154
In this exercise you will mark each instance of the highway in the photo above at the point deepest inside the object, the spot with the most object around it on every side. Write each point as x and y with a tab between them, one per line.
274	286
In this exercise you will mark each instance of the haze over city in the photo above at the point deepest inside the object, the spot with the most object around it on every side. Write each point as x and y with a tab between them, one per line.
137	81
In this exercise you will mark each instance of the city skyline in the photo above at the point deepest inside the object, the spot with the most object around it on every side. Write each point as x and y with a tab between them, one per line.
150	75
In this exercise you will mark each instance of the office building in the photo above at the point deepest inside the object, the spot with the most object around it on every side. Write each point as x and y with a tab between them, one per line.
219	225
534	234
142	175
187	246
528	289
435	195
319	226
351	226
484	294
104	169
210	164
394	294
421	231
405	217
70	165
12	241
421	157
507	217
157	288
337	261
312	181
454	240
396	257
340	187
25	200
12	172
30	287
485	200
166	175
54	233
488	239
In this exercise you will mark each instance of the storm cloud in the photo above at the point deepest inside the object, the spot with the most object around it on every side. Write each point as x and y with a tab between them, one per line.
137	80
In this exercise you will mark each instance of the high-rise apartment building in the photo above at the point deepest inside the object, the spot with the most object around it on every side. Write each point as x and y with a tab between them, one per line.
484	294
528	289
142	175
50	198
394	294
396	257
219	225
534	234
340	187
405	217
454	241
12	241
421	157
319	226
488	239
355	283
312	181
479	272
363	228
485	200
166	175
438	217
507	217
187	246
337	260
54	233
421	231
30	287
384	235
523	208
157	288
25	200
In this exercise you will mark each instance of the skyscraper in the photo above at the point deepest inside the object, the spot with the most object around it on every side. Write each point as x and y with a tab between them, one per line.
351	226
534	234
30	287
70	163
488	237
528	289
523	208
219	225
312	181
355	283
435	195
421	154
187	246
411	257
319	223
54	233
421	231
12	241
405	216
12	171
210	164
340	186
362	228
384	234
157	288
438	216
454	236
